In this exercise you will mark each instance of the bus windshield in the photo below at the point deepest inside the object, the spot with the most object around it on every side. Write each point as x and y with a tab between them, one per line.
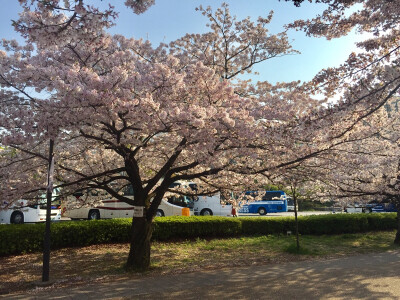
182	201
44	206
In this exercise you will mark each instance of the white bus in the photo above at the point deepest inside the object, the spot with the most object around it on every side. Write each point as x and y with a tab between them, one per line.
22	212
211	206
201	205
111	208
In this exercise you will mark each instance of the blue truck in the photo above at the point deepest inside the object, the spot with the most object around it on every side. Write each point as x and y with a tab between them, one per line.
384	207
272	202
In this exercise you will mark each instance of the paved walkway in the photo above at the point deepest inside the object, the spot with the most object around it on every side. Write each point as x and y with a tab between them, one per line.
372	276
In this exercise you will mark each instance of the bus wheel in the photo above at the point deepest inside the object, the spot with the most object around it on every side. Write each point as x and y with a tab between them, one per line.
17	218
368	210
206	212
94	214
262	211
160	213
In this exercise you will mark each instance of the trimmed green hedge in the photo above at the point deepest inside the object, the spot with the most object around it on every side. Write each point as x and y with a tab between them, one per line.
15	239
320	224
193	227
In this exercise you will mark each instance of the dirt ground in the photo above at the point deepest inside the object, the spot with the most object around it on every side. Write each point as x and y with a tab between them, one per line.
99	263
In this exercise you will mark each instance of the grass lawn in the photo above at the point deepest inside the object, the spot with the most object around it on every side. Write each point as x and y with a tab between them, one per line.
73	266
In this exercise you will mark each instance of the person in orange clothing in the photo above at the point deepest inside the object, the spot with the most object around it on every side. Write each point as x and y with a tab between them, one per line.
233	212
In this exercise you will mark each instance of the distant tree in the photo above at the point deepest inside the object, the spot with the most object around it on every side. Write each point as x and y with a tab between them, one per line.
300	181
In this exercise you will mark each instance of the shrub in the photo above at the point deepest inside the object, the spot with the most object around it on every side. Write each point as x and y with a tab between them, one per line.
15	239
255	226
193	227
333	224
83	233
29	237
382	221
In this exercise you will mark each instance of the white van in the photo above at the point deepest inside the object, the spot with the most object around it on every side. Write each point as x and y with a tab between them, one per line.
211	206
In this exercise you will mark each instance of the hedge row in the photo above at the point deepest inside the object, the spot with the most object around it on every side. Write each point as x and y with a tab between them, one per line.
15	239
193	227
320	224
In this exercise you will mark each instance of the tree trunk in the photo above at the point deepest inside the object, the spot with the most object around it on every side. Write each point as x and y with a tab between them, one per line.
47	233
296	222
397	238
139	254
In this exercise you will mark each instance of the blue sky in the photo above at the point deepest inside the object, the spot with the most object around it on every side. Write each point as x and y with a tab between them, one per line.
168	20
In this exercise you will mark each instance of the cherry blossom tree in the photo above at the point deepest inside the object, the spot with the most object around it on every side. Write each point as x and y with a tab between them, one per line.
370	77
364	84
368	169
298	180
124	113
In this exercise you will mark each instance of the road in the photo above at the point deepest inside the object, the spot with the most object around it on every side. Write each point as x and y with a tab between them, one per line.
288	214
373	276
283	214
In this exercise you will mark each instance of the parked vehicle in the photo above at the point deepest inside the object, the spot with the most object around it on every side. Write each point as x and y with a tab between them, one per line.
354	208
201	205
211	206
369	206
22	212
290	204
264	207
274	195
360	208
109	208
112	208
273	202
182	201
384	207
266	195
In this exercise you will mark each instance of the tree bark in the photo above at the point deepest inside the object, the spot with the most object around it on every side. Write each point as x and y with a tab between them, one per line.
139	253
296	222
49	194
293	188
397	238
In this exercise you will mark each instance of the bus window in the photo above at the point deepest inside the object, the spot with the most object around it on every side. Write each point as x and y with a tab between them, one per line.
94	192
193	186
128	190
273	195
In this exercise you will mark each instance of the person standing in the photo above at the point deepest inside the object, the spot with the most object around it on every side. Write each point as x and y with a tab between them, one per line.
233	212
